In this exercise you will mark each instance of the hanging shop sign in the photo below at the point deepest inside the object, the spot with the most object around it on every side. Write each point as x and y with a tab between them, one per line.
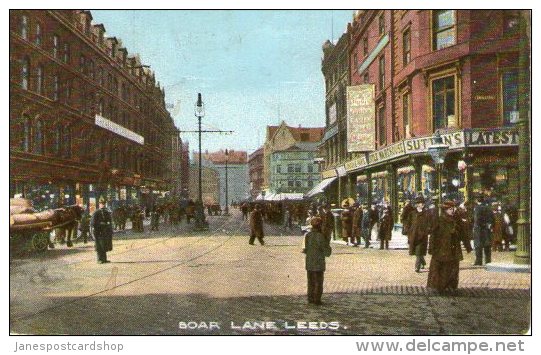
419	145
356	163
387	153
118	129
492	137
341	171
330	133
361	123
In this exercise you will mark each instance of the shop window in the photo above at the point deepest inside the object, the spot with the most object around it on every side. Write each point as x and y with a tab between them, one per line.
25	73
56	44
381	126
381	72
39	80
23	27
406	47
27	134
406	115
510	97
38	35
443	29
443	102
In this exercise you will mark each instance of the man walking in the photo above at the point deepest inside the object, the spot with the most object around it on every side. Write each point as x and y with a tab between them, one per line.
102	224
483	220
316	249
420	226
256	225
356	230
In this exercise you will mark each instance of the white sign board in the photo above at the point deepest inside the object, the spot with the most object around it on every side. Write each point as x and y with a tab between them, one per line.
118	129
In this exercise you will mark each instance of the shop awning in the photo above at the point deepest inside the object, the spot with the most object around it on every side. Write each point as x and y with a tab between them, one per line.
320	188
290	196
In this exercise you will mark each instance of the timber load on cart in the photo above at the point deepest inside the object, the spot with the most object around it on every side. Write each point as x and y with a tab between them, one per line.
30	230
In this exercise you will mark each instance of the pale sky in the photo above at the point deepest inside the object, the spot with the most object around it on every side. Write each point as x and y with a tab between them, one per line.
253	68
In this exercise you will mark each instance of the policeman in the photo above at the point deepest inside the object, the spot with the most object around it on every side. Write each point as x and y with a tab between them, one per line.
102	224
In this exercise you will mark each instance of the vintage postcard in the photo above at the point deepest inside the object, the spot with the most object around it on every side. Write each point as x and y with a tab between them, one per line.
258	172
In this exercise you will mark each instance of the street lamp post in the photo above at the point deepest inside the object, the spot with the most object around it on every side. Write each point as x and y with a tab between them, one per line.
438	150
200	222
226	184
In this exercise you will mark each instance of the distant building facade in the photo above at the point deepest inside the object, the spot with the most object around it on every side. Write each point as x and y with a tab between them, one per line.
210	184
255	168
294	169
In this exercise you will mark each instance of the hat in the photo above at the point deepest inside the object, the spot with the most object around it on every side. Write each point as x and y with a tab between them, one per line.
356	204
346	204
448	204
316	221
101	201
419	199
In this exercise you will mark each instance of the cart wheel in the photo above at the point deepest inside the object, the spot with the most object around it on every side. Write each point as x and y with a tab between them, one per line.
40	241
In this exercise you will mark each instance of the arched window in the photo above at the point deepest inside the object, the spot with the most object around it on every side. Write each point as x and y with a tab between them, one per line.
25	73
27	134
37	38
39	80
56	45
23	27
37	147
67	53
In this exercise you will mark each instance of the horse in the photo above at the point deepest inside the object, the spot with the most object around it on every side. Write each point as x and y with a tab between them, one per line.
68	218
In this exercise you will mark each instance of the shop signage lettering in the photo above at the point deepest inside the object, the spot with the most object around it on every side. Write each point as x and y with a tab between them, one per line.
118	129
328	174
387	153
356	163
341	170
453	140
499	137
361	118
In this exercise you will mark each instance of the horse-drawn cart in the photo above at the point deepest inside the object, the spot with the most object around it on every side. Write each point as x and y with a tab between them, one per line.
30	230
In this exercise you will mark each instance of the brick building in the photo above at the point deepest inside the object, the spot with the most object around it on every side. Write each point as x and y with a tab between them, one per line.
255	171
87	119
454	72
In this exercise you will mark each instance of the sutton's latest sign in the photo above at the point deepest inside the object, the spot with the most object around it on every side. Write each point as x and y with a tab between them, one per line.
420	145
361	118
494	137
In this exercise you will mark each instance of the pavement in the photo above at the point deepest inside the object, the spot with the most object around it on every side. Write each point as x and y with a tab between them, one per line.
177	281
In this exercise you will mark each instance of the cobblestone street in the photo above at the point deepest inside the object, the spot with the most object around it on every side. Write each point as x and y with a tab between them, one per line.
155	281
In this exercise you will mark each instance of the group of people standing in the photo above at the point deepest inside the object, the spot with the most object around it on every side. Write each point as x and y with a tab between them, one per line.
359	220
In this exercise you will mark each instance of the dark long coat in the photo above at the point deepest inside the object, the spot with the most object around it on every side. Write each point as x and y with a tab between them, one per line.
419	229
256	223
386	226
347	223
483	218
102	224
316	249
328	224
357	218
405	218
445	248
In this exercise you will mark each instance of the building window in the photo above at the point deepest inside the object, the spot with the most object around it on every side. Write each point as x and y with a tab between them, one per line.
406	47
355	61
66	54
39	80
82	64
37	147
91	68
443	29
381	23
67	91
278	169
406	115
25	73
23	27
56	44
366	78
510	97
100	107
67	143
365	46
381	72
381	126
310	168
298	183
510	23
290	168
298	168
443	101
59	133
291	183
37	38
27	134
56	87
310	183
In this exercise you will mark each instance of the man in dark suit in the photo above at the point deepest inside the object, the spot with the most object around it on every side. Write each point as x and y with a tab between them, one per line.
102	224
256	225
